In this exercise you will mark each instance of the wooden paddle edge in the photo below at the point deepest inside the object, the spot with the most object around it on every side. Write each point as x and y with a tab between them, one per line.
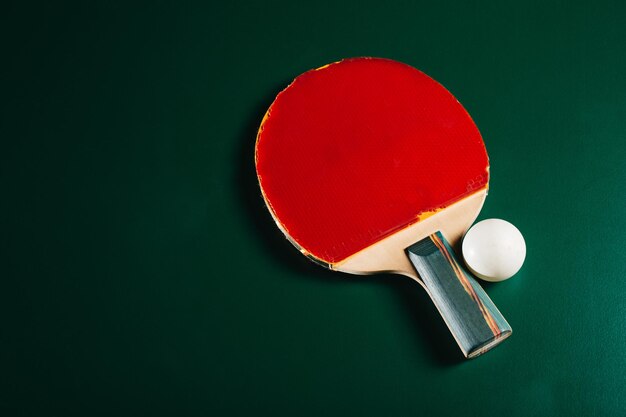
387	255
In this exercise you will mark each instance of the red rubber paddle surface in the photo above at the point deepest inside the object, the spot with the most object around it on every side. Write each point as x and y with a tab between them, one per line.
357	150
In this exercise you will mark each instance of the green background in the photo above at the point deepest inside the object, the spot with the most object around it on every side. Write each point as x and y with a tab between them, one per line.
141	274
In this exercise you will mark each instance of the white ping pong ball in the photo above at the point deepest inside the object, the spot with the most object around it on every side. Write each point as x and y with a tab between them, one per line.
494	250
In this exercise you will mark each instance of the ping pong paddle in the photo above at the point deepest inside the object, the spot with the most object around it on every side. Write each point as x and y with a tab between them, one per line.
368	165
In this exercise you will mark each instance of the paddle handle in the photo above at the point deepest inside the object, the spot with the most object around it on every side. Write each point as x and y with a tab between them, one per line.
471	316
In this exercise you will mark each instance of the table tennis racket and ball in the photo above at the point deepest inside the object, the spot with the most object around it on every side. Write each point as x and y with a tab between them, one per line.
367	166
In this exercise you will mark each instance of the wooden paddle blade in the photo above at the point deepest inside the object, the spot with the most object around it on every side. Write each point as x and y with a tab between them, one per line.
471	316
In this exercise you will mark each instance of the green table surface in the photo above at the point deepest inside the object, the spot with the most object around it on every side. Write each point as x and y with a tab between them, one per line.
142	275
